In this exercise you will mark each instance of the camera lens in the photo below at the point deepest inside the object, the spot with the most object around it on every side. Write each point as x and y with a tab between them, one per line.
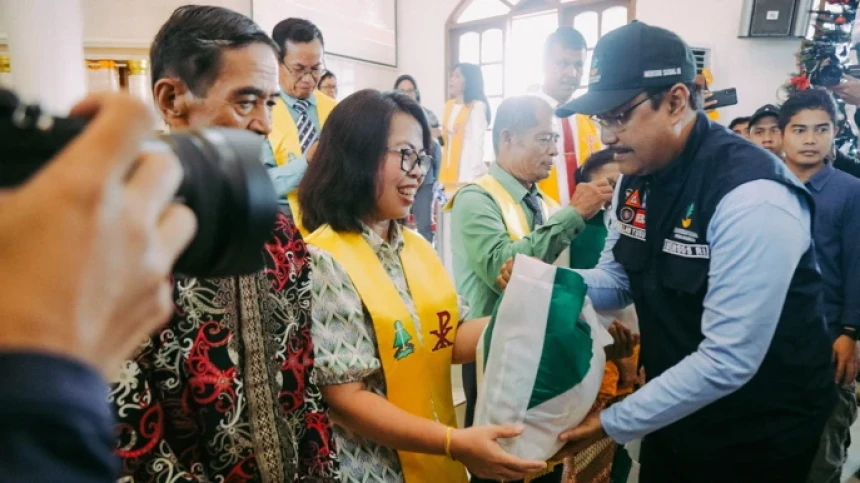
829	75
224	183
229	190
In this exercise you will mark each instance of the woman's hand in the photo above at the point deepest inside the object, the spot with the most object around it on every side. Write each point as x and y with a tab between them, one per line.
476	447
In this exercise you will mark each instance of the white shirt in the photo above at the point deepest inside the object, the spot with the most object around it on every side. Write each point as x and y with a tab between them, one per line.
559	161
472	163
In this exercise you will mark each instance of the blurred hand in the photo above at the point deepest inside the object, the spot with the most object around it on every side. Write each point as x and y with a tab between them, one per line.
844	355
590	198
312	150
476	447
848	90
708	97
589	431
505	274
624	343
88	243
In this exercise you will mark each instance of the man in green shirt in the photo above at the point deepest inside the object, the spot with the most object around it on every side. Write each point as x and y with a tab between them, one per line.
487	216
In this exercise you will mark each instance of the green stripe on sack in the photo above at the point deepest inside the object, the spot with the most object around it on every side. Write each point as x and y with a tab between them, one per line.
488	333
567	342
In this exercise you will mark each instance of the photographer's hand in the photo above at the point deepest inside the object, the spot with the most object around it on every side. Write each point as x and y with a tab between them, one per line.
88	243
848	90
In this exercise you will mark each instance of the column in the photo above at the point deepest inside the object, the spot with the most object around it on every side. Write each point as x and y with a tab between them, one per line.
46	50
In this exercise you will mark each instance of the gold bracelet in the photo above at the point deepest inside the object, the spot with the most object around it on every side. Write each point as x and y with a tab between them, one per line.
448	434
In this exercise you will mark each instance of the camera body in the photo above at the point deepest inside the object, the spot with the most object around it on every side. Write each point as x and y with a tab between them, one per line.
225	184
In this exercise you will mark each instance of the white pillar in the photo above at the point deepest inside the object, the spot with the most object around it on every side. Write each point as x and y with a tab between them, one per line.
46	47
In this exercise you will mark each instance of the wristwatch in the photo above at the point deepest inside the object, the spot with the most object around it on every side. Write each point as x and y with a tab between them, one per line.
850	332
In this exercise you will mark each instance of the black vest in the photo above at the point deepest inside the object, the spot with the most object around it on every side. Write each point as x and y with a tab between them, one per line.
663	220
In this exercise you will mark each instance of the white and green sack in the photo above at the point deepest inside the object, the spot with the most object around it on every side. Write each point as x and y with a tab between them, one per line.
540	359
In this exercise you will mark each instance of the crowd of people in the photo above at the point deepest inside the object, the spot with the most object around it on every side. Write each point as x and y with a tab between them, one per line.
727	260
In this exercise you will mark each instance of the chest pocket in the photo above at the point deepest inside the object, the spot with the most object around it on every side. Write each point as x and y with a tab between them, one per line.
631	253
682	273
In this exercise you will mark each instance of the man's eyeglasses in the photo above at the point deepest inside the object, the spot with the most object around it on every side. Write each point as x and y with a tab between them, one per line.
618	122
409	158
316	72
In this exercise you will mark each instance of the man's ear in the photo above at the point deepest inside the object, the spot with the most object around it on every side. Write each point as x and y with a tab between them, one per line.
678	99
171	97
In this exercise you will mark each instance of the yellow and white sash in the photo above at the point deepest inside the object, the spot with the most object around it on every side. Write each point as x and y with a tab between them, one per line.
417	370
284	140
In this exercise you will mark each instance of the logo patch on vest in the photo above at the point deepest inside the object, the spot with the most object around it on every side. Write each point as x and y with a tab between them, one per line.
441	334
688	220
634	200
686	250
402	342
631	231
627	214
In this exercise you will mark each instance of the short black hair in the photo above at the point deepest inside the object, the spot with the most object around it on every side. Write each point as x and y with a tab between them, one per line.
567	37
516	114
341	184
407	77
325	76
189	44
739	120
593	163
297	31
811	99
658	93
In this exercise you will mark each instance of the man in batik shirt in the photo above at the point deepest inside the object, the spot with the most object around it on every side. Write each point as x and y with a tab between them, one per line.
224	392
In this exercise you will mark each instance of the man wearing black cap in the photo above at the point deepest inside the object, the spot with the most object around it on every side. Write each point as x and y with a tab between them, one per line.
764	129
712	242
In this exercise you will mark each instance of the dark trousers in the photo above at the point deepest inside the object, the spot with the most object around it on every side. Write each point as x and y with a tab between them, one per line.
470	387
554	477
660	464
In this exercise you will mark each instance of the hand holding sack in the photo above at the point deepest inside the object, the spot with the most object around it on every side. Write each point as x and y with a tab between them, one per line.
541	358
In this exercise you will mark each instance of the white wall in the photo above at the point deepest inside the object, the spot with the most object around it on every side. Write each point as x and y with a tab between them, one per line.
421	46
757	68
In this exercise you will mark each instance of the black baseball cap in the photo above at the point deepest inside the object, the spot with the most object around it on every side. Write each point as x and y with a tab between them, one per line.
629	60
764	111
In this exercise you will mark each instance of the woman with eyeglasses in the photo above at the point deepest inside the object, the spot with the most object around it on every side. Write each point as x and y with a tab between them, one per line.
387	321
464	125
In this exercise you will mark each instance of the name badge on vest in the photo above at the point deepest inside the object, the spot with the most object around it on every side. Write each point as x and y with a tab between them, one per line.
631	216
685	244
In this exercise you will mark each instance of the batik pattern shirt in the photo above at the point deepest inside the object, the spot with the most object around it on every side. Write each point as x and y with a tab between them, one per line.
225	392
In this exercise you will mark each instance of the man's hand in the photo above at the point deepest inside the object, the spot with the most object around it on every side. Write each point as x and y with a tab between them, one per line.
624	343
844	355
505	274
312	150
589	431
590	198
708	97
848	90
88	243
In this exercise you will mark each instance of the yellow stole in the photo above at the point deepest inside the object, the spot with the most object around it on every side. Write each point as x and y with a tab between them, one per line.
449	175
417	371
284	140
587	143
512	213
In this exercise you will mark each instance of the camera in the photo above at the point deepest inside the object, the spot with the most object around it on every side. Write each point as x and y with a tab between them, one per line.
224	183
826	69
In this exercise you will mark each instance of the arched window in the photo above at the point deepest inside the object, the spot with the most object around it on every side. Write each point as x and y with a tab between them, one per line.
506	37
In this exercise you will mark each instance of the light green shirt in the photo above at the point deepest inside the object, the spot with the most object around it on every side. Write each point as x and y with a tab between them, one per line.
480	243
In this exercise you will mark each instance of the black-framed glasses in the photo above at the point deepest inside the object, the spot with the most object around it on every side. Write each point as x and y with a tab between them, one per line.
409	158
316	72
618	122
